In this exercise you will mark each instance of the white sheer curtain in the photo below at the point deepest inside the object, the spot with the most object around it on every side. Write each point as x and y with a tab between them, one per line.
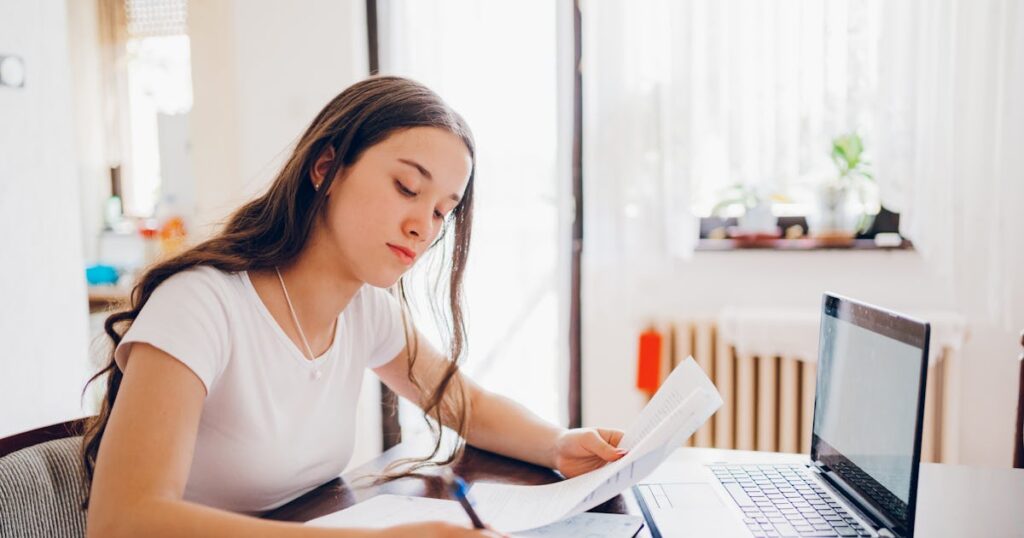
952	82
685	98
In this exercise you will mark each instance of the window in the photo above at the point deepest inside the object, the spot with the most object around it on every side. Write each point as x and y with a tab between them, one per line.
686	100
477	57
159	95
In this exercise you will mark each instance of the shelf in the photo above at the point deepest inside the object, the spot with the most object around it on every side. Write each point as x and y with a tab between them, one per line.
714	245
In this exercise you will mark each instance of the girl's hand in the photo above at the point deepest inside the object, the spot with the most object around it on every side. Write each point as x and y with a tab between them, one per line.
582	450
439	529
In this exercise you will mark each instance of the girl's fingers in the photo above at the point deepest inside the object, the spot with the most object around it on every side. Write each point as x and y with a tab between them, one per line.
597	445
612	437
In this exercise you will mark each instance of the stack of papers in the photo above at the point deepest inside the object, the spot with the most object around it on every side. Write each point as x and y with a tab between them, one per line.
684	402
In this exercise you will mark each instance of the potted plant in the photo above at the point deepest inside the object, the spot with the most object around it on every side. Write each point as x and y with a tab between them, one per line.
757	219
844	208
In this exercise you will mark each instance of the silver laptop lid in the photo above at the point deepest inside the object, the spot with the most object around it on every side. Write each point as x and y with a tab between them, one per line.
869	406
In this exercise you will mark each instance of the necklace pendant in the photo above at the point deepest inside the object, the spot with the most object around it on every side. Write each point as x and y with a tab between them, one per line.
315	375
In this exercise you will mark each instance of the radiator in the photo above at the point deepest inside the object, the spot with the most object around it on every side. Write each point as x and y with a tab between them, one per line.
769	401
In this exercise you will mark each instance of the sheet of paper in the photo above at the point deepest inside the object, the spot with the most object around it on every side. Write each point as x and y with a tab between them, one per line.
589	525
683	380
684	402
389	510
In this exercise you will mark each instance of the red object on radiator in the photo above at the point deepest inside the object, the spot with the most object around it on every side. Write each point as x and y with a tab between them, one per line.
648	375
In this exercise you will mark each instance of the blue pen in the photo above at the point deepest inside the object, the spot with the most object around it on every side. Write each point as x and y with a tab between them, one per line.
458	489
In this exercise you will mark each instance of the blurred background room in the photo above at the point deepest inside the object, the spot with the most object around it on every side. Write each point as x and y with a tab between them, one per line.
655	179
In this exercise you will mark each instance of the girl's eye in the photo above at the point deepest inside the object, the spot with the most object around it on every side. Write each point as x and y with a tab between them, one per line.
403	189
406	191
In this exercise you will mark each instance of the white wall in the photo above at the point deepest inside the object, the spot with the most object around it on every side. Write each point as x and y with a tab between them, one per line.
43	323
261	70
90	147
213	121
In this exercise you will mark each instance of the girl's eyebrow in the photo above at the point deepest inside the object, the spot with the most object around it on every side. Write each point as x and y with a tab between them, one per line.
425	173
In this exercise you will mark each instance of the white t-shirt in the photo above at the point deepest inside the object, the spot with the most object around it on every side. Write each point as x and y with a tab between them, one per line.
270	431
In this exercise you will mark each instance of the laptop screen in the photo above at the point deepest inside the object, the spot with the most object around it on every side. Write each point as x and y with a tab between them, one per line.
869	404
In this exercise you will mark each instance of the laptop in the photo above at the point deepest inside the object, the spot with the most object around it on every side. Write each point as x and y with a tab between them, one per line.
861	477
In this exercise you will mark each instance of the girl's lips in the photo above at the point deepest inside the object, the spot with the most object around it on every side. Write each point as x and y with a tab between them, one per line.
404	254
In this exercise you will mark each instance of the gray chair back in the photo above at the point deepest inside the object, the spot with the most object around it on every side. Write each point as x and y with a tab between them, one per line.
41	491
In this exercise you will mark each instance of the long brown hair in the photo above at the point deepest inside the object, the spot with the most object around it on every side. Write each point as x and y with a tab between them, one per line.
272	230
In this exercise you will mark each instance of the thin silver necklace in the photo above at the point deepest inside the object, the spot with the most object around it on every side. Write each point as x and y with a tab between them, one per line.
316	367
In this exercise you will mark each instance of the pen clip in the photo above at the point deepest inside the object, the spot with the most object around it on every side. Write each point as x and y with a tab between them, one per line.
461	489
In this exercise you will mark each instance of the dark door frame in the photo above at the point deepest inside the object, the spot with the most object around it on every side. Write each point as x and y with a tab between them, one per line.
575	305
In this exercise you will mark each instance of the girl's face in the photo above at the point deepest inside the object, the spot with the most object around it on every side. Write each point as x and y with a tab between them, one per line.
385	210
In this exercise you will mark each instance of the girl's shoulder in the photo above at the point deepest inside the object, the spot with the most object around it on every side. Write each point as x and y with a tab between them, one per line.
205	282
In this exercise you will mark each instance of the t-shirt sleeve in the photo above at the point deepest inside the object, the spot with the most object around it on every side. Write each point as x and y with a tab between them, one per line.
387	328
186	318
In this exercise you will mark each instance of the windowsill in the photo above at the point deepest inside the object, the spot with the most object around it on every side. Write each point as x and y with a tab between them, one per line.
716	245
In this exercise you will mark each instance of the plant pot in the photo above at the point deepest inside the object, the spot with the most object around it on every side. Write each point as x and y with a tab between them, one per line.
841	214
758	220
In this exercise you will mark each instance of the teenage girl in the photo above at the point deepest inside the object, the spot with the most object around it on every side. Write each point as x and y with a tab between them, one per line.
233	383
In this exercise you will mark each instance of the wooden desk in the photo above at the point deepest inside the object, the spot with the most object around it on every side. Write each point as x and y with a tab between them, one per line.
953	500
477	465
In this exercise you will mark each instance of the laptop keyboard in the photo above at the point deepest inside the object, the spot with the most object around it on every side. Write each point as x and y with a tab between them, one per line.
784	500
861	480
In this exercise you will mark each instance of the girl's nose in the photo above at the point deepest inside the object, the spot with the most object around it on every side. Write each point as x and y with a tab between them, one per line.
419	226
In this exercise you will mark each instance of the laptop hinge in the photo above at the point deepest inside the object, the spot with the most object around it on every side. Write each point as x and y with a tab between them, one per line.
856	502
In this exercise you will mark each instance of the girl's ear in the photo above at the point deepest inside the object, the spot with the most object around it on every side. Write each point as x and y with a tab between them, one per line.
321	167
